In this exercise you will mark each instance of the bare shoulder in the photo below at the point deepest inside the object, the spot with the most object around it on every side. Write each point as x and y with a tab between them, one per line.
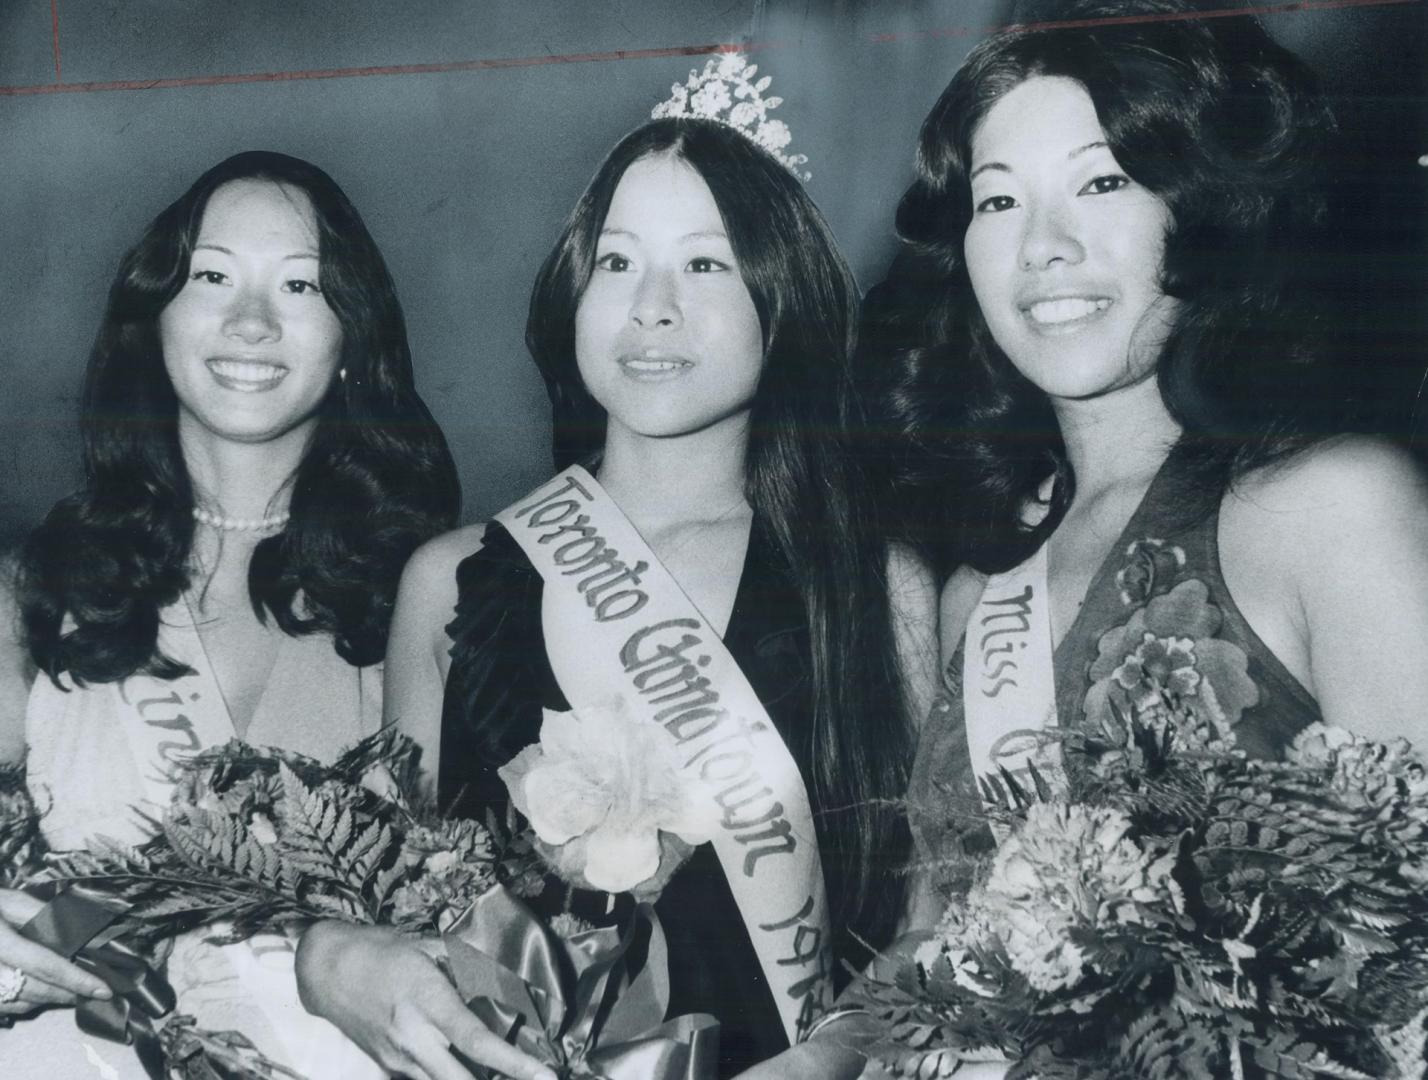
1344	477
418	649
427	596
1347	497
1325	554
431	571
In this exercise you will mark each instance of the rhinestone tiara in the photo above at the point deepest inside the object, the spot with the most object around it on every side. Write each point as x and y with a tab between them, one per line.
725	91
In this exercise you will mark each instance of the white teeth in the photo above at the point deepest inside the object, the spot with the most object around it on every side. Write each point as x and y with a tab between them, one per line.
1065	310
653	365
247	371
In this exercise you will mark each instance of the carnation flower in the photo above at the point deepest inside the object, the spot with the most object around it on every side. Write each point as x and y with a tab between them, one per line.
1069	867
600	787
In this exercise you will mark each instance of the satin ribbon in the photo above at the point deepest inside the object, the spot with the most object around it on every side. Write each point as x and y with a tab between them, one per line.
81	926
590	1006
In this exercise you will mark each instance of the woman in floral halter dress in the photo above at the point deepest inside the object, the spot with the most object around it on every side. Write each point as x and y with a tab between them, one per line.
1111	365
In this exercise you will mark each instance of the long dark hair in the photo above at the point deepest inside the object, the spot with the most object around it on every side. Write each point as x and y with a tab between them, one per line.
801	479
375	481
1228	130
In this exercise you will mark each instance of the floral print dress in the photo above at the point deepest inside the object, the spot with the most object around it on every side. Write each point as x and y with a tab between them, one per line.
1158	620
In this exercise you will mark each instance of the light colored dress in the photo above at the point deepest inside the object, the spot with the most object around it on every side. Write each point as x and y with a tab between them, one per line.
100	760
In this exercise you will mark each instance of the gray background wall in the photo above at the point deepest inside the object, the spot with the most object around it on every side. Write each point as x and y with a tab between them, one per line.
465	169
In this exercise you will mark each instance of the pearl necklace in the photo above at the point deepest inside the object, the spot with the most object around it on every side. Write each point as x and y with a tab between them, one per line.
225	524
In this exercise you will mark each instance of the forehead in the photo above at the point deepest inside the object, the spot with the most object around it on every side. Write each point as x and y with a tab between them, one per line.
663	190
259	209
1047	116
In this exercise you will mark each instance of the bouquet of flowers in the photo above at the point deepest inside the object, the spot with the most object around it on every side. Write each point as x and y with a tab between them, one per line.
21	844
257	837
1182	911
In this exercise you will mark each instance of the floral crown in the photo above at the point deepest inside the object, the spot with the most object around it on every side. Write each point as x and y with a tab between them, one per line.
725	91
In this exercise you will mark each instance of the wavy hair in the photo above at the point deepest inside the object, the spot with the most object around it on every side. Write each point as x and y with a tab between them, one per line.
1228	130
800	476
375	481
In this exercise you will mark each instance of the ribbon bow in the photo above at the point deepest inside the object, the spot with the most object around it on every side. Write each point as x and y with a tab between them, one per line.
589	1006
82	926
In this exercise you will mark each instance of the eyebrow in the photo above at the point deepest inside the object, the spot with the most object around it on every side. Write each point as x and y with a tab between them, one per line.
701	234
999	167
227	251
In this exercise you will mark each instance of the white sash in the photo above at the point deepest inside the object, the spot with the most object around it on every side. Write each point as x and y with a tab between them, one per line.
616	621
1008	682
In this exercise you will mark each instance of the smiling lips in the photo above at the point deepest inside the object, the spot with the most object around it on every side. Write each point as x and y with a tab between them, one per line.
650	366
246	376
1067	311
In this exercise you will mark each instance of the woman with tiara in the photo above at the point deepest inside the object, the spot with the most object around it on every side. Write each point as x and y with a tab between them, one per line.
693	324
258	469
1111	369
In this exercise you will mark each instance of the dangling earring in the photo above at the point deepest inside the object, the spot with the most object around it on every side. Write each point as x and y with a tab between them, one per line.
342	374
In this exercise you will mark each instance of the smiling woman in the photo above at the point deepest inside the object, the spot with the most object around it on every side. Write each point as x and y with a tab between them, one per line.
1120	424
1064	250
249	343
259	466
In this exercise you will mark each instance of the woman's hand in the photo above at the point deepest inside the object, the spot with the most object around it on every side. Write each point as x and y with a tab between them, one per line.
49	979
390	998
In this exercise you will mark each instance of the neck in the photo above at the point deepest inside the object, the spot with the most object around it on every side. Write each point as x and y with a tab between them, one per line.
241	480
1118	438
660	482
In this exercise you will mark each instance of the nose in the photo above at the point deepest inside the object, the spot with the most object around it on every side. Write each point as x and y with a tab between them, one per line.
252	319
1050	236
656	300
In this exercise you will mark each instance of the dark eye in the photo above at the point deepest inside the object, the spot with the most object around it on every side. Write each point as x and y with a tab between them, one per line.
208	277
300	286
995	204
614	262
705	265
1104	185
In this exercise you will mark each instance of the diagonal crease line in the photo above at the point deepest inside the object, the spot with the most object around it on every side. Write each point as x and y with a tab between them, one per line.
502	63
498	63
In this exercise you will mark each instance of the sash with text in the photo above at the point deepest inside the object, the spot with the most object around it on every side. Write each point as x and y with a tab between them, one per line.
1008	683
616	622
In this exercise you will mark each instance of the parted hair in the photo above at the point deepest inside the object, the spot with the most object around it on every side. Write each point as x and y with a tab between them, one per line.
1229	131
375	481
801	478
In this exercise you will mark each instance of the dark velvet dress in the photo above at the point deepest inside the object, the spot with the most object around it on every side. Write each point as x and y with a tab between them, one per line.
500	680
1158	608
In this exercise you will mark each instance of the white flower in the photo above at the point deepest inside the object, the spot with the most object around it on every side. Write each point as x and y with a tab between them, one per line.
601	785
438	862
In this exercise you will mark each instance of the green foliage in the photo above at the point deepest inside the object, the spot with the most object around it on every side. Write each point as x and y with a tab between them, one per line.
1279	927
258	837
